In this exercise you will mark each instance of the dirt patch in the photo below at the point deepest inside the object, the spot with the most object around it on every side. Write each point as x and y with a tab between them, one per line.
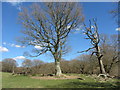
54	77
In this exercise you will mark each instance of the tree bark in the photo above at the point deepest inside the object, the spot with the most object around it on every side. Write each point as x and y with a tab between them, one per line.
102	69
57	68
13	72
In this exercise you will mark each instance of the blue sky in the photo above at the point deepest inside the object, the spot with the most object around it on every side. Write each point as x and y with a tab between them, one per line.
11	30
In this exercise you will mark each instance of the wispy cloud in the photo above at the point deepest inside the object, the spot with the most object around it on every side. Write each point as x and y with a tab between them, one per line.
117	29
3	49
38	47
13	45
16	3
19	58
78	29
92	26
4	43
17	46
68	26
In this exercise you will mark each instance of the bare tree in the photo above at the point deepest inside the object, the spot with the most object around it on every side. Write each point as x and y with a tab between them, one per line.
116	13
47	25
27	64
37	62
109	48
36	65
87	63
92	34
9	65
0	66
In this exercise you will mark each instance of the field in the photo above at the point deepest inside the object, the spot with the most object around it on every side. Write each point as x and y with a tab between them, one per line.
19	81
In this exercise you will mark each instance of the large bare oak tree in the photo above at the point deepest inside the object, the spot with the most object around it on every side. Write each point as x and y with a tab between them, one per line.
47	25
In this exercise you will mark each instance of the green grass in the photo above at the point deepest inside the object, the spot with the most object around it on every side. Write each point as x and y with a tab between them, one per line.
9	81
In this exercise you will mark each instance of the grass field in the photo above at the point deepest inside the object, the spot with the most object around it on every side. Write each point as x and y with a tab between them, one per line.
9	81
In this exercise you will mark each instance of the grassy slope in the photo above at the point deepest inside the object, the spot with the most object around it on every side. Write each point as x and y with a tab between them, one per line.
9	81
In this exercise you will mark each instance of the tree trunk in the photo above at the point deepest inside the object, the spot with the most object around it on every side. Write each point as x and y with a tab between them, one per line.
109	69
99	56
102	69
111	65
57	68
13	72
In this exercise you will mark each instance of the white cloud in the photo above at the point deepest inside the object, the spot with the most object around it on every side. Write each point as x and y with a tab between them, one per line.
13	45
18	46
92	26
19	8
4	43
16	3
19	58
38	47
3	49
79	28
117	29
68	26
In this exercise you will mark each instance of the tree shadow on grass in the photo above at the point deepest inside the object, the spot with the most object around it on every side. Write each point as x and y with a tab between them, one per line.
92	84
79	84
75	85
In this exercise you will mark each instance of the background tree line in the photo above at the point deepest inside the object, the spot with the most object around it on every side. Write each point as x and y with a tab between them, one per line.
84	64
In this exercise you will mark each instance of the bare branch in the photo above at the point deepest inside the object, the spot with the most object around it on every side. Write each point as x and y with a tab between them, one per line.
87	50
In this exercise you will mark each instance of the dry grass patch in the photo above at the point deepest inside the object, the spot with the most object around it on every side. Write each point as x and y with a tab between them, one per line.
57	77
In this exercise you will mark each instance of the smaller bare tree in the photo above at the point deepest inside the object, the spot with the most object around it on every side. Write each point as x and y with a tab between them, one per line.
27	64
9	65
92	34
109	48
36	65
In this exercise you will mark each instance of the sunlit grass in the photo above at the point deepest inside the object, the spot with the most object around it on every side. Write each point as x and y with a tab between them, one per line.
19	81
